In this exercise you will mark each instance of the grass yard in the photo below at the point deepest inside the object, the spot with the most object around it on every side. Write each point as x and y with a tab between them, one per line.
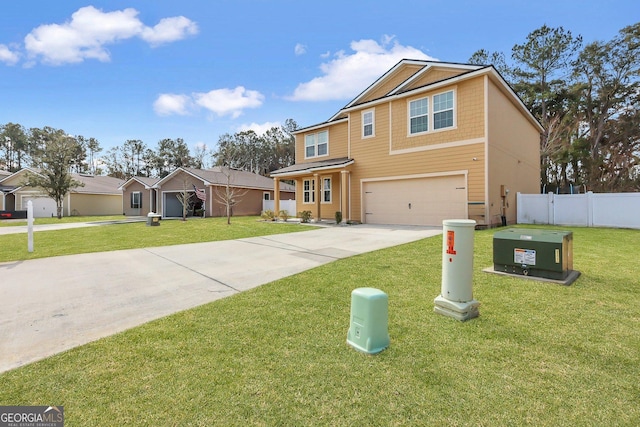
539	354
112	237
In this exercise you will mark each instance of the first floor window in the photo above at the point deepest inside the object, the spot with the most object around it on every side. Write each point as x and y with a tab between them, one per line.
266	195
308	191
136	200
326	190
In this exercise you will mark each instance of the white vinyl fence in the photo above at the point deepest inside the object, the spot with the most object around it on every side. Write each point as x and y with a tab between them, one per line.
285	205
620	210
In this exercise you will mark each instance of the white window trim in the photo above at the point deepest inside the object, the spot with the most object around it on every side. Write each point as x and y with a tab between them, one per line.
431	114
139	193
266	195
330	190
315	134
373	123
312	191
453	109
409	115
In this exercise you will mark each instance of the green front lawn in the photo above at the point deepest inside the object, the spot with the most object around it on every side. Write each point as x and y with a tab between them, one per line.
539	354
112	237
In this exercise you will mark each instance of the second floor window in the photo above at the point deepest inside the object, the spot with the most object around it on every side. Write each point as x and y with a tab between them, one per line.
367	124
443	110
441	116
316	144
419	115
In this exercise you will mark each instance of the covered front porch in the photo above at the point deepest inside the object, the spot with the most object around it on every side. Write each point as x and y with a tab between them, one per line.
322	188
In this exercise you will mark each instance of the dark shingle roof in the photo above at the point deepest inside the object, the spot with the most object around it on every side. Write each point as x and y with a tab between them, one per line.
308	167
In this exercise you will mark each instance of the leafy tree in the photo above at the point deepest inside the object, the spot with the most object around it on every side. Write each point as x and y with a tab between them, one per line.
53	161
255	153
199	154
172	154
79	161
540	76
132	155
114	161
14	142
497	59
608	75
93	148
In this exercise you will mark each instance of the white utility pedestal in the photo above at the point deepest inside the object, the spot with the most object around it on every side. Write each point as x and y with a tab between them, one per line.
456	295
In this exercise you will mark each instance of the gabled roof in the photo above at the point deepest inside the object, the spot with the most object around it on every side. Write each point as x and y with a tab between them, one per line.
426	66
304	168
220	174
97	184
148	183
93	184
406	87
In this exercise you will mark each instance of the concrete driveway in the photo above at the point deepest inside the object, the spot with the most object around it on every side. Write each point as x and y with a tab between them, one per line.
53	304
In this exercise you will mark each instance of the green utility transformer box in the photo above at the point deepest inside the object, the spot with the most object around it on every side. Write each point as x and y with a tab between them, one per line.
532	252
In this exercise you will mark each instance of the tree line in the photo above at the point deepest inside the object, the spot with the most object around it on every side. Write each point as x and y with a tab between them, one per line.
246	150
587	98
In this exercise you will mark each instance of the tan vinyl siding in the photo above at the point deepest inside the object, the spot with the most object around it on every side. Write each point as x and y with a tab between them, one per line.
338	146
468	121
391	82
374	161
514	156
126	200
94	204
432	76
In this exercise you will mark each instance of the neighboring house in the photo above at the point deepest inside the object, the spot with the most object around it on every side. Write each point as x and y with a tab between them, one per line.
139	196
100	195
427	141
161	195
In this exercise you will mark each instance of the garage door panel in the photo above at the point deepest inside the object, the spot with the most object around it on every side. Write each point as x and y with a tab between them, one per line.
43	207
418	201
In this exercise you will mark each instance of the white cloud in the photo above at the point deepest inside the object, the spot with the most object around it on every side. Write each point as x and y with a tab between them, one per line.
347	75
168	103
300	49
223	102
229	102
258	128
8	56
169	30
90	30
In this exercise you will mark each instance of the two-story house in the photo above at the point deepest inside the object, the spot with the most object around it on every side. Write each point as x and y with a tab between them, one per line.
427	141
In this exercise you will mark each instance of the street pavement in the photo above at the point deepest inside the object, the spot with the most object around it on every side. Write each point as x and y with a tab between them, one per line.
53	304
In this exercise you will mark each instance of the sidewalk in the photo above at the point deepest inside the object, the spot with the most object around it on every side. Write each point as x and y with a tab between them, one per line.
53	304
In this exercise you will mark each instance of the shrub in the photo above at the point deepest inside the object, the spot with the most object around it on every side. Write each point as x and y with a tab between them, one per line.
338	217
284	215
305	216
268	215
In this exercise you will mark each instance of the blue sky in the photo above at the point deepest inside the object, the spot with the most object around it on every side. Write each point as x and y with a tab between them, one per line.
196	69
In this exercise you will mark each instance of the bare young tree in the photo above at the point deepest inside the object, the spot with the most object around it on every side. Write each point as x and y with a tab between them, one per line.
227	194
184	197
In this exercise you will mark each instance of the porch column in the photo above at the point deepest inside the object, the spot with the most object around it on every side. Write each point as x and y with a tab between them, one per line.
344	195
318	193
276	196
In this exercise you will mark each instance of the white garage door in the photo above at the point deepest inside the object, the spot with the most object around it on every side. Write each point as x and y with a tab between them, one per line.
418	201
43	207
